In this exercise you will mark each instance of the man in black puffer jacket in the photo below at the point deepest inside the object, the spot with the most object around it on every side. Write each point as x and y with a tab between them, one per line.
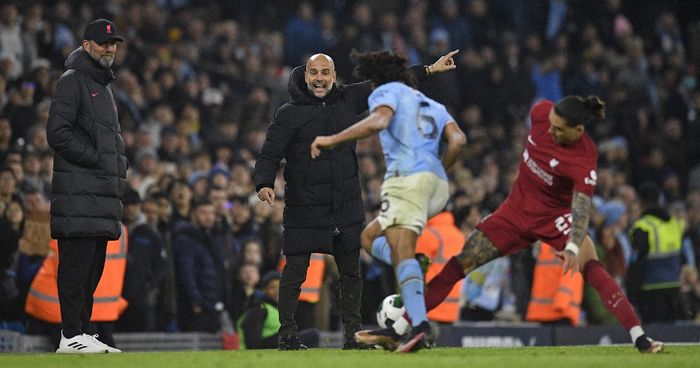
323	204
89	178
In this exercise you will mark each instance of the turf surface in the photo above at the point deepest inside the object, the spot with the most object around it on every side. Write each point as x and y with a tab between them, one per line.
675	356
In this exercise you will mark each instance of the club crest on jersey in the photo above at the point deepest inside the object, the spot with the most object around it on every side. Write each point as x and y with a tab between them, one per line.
553	163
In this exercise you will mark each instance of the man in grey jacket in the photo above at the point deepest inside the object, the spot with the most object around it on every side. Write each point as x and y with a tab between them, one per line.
89	178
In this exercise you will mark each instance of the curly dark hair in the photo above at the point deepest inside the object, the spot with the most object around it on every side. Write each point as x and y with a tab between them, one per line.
383	67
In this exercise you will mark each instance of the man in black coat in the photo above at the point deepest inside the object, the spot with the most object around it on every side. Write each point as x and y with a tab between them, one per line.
89	177
145	268
323	204
203	270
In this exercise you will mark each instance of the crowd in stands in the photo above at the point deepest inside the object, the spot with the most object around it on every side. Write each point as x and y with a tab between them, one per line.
198	83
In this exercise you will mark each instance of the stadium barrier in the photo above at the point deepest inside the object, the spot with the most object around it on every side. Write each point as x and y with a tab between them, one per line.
498	334
479	334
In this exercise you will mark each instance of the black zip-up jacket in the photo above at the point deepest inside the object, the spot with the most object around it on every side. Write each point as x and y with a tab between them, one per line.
89	172
322	196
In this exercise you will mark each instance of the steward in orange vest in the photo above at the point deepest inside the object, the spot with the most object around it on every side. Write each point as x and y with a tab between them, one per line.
554	296
42	298
442	239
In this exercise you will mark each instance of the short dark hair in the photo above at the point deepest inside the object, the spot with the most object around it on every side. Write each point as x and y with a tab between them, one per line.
131	196
577	110
175	182
199	202
268	277
649	194
383	67
7	168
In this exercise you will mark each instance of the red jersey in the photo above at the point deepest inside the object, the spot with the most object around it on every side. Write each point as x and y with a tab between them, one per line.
549	172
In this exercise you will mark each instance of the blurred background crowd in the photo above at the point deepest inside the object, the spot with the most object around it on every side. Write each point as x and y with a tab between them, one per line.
198	82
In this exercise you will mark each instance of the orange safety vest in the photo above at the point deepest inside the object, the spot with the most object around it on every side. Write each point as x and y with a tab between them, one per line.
441	240
554	296
42	299
311	288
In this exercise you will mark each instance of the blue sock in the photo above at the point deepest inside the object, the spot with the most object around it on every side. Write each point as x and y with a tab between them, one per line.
410	280
381	250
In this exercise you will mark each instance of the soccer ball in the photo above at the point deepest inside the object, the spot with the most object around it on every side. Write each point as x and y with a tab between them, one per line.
390	314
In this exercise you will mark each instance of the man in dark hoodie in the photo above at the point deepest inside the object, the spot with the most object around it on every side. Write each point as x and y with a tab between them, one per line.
323	205
89	177
653	280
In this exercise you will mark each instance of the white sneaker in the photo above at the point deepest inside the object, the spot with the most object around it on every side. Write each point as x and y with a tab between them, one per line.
79	344
103	345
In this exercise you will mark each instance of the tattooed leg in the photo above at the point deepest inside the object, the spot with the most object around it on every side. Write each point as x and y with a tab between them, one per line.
477	250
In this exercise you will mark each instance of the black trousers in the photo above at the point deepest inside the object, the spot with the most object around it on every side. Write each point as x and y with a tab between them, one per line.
294	274
80	265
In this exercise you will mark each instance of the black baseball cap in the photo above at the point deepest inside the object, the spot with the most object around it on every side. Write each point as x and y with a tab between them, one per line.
131	196
101	31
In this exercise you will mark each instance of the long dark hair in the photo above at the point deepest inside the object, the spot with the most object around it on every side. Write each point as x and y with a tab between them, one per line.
383	67
577	110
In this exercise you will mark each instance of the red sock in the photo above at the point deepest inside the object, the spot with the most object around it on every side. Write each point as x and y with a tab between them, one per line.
440	286
612	296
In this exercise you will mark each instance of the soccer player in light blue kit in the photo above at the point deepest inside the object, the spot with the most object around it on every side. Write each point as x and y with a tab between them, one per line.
411	129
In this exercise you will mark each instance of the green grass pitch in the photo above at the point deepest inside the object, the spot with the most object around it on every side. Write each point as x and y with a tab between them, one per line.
675	356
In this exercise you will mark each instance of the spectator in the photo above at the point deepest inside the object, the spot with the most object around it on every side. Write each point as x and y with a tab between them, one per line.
5	133
181	198
258	327
202	271
11	223
244	289
8	187
145	268
302	34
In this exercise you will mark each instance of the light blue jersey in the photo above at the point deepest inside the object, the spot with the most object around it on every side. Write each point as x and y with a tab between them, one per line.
411	142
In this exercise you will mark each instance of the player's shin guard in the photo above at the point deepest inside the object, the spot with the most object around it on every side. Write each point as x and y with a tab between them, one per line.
410	280
440	286
610	293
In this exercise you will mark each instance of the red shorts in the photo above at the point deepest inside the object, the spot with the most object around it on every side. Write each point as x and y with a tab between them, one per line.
510	229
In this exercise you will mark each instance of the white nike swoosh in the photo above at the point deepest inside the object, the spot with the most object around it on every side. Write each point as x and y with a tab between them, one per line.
529	139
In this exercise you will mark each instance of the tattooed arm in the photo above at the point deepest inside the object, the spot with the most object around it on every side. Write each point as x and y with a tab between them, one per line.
580	212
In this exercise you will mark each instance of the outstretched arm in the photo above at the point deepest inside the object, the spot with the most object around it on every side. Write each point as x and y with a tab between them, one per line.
359	91
444	63
375	122
456	141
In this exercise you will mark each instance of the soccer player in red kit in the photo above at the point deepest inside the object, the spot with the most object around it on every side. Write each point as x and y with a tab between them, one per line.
550	201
